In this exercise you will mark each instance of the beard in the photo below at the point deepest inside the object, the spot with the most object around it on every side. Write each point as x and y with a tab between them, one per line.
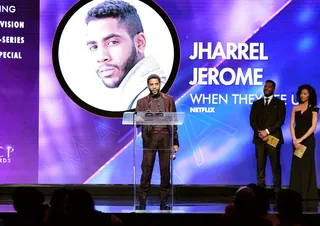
268	94
131	61
154	95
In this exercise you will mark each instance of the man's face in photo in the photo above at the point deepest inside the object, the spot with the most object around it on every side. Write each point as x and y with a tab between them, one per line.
112	49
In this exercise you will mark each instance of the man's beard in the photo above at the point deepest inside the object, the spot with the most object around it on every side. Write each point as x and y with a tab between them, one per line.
269	94
131	61
154	95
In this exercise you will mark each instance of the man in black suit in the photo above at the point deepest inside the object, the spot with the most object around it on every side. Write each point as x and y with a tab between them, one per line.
266	118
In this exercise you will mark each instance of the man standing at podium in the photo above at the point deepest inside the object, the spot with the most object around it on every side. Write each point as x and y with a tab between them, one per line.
156	138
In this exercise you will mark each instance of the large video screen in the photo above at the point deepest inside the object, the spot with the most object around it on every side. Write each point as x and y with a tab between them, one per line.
61	111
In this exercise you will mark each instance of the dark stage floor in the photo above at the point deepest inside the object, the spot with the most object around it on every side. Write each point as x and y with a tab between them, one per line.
193	205
118	198
209	205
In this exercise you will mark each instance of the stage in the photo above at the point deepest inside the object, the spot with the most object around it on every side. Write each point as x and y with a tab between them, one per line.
191	203
119	198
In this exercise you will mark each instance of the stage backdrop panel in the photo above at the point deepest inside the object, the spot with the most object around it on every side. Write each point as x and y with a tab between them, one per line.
19	91
76	146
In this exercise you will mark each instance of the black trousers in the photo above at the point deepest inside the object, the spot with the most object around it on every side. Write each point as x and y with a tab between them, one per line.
161	143
262	151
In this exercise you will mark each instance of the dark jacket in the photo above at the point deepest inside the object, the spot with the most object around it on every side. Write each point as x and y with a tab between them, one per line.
169	106
271	117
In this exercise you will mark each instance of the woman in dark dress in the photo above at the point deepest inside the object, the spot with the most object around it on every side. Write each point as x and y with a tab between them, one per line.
303	123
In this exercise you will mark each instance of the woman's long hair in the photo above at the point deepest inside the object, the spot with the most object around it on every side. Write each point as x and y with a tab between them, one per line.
312	95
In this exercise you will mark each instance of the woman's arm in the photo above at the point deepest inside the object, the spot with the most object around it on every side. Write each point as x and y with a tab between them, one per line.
312	128
292	121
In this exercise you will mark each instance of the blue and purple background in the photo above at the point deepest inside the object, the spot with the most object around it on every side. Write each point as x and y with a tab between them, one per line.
57	142
19	96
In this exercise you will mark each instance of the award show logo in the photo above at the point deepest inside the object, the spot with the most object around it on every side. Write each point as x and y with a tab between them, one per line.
6	154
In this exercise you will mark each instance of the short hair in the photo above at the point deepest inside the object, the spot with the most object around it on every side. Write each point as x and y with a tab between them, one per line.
80	201
244	202
262	199
312	94
118	9
290	203
153	76
272	82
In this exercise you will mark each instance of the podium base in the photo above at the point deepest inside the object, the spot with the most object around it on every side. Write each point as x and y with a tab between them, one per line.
141	207
162	207
165	207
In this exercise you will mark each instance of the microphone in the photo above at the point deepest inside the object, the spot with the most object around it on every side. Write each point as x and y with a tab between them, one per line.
149	104
149	114
159	110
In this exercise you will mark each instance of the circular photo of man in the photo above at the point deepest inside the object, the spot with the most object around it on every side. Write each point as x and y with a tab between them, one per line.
104	51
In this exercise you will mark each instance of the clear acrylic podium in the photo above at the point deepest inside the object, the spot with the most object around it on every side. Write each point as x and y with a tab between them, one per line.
148	120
